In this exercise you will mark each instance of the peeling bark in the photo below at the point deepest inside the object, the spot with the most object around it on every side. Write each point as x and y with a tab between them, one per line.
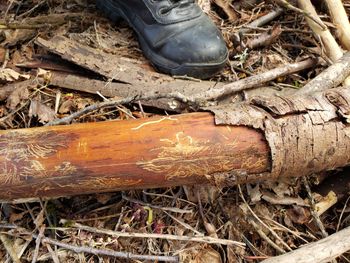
132	78
125	90
306	134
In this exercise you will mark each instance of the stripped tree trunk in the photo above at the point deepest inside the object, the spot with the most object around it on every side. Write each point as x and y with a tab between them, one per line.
100	157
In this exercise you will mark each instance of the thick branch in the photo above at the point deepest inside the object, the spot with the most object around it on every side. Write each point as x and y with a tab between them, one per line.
306	134
270	138
321	251
254	81
333	50
332	77
341	21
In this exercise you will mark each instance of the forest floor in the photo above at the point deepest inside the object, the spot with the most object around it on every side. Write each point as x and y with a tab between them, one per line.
270	218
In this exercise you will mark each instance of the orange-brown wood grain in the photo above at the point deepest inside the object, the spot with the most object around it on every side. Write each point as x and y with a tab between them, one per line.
118	155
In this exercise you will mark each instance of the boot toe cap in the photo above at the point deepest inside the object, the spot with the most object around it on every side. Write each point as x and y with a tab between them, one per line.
201	44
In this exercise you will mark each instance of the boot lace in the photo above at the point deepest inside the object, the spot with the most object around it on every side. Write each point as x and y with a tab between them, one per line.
175	4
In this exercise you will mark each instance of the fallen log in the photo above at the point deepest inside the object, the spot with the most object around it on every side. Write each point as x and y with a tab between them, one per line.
266	138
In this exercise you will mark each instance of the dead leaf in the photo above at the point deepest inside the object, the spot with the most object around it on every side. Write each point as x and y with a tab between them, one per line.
66	107
44	74
9	75
282	200
281	189
103	198
207	193
16	217
205	5
19	94
82	103
299	215
254	193
44	113
199	254
39	220
13	37
208	255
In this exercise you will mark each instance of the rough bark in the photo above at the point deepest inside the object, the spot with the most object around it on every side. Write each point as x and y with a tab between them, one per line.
111	66
194	91
131	77
134	80
306	134
125	90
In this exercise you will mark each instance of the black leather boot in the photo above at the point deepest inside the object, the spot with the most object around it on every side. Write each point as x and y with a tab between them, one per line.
175	35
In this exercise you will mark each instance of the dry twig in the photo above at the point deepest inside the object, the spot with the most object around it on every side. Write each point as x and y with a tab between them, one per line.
201	239
313	210
306	13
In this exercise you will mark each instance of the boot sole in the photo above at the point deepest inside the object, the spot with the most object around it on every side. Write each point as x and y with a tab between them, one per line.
201	71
